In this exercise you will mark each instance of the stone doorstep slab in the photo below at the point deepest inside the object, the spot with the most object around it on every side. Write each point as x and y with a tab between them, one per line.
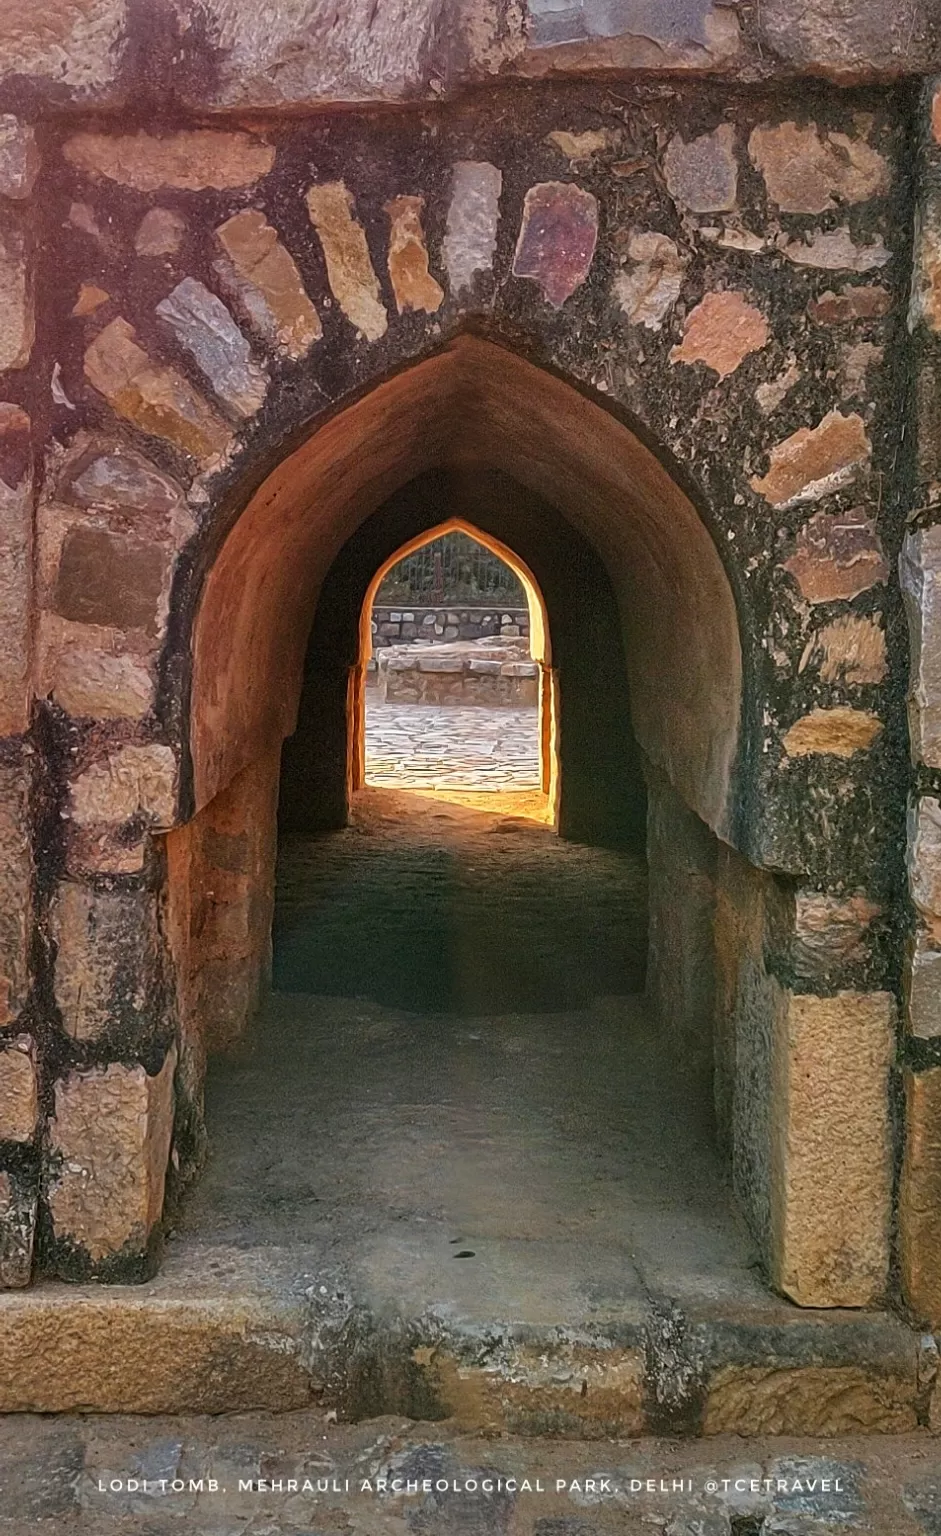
226	1330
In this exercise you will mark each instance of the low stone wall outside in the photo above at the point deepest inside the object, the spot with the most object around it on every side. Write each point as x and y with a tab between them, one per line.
494	676
395	626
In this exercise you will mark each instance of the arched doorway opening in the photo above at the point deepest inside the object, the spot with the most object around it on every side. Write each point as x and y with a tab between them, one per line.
495	658
645	638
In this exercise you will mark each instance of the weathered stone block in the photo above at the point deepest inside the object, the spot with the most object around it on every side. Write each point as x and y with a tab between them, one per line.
412	283
473	217
106	962
138	781
807	170
15	582
830	932
155	398
17	311
920	573
18	1207
353	281
920	1196
109	1145
557	238
702	175
650	287
75	45
814	461
16	880
848	38
19	1093
191	160
850	650
840	731
120	480
260	278
922	979
837	555
831	1173
864	302
97	682
203	326
160	233
836	251
107	579
720	332
75	1348
924	862
810	1400
302	54
19	158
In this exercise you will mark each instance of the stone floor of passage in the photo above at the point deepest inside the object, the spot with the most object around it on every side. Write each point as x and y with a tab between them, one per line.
424	746
457	1102
294	1474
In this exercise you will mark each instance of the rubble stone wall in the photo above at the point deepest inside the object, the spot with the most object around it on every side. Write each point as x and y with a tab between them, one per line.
680	310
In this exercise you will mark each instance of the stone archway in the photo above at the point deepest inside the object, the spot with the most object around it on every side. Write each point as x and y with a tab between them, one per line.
539	647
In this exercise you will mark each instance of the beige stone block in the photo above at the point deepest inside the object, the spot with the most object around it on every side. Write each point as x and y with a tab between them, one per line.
192	159
807	1400
19	1095
100	683
920	1196
814	461
831	1168
123	1349
17	312
835	251
353	281
16	882
132	781
648	289
109	1145
106	955
840	731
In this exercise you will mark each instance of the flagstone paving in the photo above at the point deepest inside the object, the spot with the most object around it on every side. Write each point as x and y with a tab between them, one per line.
426	746
297	1474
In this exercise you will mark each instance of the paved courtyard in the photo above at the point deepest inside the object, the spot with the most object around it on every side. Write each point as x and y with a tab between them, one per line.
297	1475
427	746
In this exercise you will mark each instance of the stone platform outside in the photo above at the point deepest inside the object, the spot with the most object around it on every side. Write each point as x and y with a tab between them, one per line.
478	673
508	1218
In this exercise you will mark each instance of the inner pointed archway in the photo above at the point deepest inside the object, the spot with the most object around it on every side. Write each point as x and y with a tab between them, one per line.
451	692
